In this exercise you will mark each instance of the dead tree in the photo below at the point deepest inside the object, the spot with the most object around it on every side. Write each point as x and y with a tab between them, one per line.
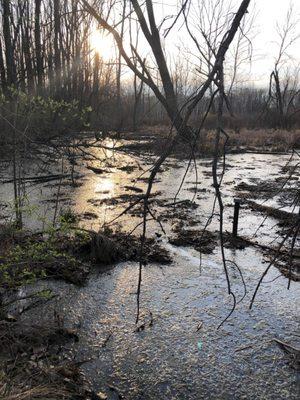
283	91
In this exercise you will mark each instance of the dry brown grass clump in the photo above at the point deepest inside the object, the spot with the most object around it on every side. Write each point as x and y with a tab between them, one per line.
154	138
276	140
31	366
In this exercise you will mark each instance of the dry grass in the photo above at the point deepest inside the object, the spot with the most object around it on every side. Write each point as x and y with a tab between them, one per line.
31	367
265	140
279	140
38	392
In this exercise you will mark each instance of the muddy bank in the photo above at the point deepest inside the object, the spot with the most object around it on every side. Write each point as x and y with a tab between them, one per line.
68	253
35	352
33	366
26	256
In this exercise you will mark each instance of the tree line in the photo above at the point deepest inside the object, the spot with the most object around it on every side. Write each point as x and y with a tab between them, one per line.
45	50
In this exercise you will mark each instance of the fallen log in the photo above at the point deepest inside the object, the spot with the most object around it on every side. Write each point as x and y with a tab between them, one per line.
38	179
243	240
97	170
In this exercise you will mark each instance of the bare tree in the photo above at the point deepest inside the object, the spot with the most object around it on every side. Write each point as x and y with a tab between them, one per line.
166	95
284	89
179	117
9	49
38	46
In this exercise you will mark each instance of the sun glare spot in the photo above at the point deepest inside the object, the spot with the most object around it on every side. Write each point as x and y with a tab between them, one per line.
103	45
105	187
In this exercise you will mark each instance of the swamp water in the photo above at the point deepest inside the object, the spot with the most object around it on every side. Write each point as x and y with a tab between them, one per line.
180	353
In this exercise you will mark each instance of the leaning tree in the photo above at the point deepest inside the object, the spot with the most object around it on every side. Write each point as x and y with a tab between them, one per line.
179	115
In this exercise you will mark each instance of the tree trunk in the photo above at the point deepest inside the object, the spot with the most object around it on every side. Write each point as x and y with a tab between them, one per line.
9	51
57	53
119	71
38	47
2	68
28	56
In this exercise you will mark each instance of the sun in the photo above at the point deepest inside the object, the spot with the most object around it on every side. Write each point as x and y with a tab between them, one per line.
103	45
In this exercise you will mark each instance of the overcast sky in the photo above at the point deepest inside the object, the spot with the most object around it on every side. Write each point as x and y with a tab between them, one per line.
264	35
268	13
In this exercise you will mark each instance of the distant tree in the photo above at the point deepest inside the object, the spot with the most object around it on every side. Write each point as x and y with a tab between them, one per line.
9	49
2	68
284	80
57	47
38	46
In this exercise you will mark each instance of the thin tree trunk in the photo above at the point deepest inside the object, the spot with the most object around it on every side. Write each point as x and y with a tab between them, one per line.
9	51
38	47
2	68
119	72
57	53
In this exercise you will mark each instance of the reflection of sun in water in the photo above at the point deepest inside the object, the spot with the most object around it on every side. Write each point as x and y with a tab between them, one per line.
102	44
105	187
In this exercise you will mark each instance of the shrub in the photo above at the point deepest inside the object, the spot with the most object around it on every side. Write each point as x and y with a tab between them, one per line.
39	118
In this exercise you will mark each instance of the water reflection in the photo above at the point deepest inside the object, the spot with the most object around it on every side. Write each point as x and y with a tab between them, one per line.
164	361
105	187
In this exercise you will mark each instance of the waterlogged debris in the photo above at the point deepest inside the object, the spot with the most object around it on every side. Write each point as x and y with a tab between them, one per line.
102	396
260	325
89	215
246	347
199	326
140	328
105	250
105	341
98	171
292	352
134	189
128	168
200	345
204	241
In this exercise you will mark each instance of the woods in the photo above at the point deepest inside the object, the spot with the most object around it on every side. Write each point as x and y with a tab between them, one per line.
44	44
47	49
149	199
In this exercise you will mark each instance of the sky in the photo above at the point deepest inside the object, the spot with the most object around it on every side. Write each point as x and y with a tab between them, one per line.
263	36
268	13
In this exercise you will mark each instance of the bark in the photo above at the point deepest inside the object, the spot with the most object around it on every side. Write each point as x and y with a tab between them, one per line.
26	48
57	52
2	67
9	51
38	47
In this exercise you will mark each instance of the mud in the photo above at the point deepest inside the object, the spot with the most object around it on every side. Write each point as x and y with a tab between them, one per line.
285	218
202	241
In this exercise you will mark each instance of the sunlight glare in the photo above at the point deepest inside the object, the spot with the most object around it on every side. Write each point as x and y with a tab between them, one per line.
103	45
104	186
